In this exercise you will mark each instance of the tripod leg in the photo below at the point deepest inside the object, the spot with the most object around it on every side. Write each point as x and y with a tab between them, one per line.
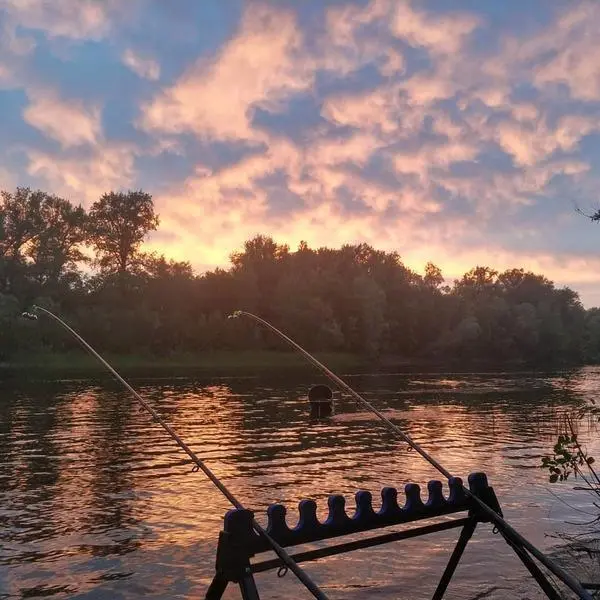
216	588
248	587
461	544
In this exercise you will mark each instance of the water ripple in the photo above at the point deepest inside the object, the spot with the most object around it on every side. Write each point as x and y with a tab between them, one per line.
95	501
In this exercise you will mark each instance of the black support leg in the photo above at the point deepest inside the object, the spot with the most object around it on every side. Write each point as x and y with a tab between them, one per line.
461	544
535	571
248	587
217	588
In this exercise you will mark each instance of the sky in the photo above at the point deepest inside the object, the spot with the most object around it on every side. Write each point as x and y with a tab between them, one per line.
459	132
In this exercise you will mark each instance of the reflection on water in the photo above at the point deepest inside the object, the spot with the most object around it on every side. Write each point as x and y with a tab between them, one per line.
97	502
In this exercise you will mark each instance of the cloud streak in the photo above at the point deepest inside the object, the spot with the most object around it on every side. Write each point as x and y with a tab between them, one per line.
147	68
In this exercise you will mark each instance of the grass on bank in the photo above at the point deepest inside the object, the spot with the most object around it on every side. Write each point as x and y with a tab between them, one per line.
204	363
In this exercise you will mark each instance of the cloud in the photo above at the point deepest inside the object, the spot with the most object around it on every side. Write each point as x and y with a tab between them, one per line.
84	19
570	41
397	177
144	67
446	135
530	144
68	122
7	179
256	68
378	109
353	37
84	175
441	35
560	54
14	51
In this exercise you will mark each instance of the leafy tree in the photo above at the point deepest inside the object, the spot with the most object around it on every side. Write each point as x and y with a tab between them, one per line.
21	220
372	305
56	251
355	298
40	243
119	223
433	276
262	263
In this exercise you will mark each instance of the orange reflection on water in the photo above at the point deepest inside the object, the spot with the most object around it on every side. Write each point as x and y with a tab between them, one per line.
101	499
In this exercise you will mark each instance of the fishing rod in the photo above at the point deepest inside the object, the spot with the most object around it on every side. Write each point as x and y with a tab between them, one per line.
199	464
507	531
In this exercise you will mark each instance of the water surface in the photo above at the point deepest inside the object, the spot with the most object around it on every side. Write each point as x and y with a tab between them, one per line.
96	502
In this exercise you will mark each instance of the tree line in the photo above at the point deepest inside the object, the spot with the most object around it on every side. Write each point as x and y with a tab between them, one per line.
90	267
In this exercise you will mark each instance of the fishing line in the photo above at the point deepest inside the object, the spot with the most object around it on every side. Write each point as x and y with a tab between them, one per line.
199	464
507	531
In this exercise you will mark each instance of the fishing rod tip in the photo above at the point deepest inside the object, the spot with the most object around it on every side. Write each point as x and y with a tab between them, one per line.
235	314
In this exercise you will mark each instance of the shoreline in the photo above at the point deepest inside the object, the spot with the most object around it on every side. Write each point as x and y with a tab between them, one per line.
244	363
202	363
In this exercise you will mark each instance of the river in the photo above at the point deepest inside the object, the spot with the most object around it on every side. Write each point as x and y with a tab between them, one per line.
97	503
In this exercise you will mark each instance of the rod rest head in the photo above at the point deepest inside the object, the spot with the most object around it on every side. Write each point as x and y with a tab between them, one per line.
478	484
234	550
308	528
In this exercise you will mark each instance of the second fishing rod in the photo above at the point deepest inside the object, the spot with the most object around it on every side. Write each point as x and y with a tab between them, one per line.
511	535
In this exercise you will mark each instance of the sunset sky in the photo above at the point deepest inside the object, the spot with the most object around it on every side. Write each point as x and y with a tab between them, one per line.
461	132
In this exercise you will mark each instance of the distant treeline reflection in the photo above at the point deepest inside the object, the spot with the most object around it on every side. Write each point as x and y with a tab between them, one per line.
89	267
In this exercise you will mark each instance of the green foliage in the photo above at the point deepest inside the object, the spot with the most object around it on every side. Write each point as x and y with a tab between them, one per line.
353	299
118	224
568	457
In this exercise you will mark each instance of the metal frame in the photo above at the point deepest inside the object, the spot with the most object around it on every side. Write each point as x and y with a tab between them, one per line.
238	543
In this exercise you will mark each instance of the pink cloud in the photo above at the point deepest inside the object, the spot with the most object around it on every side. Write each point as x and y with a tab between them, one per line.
562	53
7	179
355	150
14	50
347	46
440	35
258	67
84	177
62	18
398	125
68	122
143	66
376	109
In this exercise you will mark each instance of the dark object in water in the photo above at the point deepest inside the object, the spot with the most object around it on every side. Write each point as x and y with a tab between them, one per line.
321	401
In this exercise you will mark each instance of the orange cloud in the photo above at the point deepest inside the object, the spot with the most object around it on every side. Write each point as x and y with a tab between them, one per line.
570	270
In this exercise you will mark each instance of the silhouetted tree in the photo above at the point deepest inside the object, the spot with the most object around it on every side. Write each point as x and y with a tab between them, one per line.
119	223
355	298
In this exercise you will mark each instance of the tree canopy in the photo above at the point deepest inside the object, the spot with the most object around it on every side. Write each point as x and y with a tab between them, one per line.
90	267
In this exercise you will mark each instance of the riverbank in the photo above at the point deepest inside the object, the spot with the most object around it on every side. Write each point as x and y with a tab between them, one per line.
81	364
77	363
